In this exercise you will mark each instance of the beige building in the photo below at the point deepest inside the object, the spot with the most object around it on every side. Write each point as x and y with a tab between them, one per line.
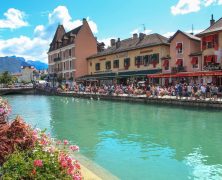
69	50
128	59
26	74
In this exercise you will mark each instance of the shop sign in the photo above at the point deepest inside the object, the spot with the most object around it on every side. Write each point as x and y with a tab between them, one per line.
146	51
210	68
122	55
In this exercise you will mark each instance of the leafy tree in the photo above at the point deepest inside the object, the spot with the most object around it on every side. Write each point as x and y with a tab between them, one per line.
6	78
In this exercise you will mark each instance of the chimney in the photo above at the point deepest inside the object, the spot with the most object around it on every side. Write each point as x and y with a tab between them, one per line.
118	43
141	36
212	21
135	35
112	42
84	21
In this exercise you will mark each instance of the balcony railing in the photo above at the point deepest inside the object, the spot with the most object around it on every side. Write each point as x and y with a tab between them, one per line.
179	69
57	59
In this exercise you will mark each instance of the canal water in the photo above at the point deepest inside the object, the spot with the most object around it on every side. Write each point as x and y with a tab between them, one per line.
132	141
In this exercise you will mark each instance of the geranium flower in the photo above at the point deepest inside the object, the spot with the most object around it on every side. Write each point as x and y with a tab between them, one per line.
38	163
66	142
74	148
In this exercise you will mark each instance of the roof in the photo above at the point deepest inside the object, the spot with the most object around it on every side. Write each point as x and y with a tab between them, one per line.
134	43
217	26
190	36
62	34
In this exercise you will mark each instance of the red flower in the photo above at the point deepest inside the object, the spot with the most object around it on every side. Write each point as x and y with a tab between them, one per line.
34	172
66	142
77	166
38	163
74	148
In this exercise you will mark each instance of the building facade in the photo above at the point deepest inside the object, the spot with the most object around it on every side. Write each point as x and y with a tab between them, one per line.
69	50
129	59
211	46
185	56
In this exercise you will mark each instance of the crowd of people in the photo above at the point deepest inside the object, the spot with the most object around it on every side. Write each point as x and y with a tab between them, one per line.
179	90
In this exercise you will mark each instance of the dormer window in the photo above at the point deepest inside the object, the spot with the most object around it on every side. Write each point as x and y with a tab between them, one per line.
179	48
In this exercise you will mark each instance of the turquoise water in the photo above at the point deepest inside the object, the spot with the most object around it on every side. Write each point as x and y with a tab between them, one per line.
133	141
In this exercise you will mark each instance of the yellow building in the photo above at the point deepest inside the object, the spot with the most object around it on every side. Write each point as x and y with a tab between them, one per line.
129	59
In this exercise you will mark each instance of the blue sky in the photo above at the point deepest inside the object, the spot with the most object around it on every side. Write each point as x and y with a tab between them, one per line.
27	27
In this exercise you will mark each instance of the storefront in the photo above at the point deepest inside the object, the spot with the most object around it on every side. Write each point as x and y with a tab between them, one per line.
204	77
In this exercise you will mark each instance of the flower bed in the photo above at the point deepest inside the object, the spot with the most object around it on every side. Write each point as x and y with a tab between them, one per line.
26	153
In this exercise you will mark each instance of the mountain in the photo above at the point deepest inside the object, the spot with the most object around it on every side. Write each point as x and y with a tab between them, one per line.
10	64
38	64
13	64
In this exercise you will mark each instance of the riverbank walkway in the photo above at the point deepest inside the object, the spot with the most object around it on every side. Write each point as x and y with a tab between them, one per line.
164	100
16	90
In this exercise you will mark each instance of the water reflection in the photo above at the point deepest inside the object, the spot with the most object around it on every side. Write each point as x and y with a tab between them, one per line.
133	140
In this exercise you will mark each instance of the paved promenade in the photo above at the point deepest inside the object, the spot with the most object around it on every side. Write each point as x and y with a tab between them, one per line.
164	100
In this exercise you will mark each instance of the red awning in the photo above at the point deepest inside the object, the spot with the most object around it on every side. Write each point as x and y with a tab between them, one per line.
194	60
179	61
209	59
166	63
189	74
215	58
209	38
179	45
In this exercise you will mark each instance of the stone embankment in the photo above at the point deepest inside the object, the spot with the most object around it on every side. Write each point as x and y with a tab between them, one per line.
168	100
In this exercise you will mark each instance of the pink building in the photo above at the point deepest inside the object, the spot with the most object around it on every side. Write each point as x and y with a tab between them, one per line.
69	50
185	56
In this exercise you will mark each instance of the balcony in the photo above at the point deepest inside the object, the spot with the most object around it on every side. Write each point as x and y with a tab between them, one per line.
57	59
179	69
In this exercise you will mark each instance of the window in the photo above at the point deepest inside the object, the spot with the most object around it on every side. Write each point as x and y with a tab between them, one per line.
70	52
179	62
211	41
146	60
179	48
126	63
166	64
70	64
194	62
139	61
209	44
64	66
108	65
116	64
97	66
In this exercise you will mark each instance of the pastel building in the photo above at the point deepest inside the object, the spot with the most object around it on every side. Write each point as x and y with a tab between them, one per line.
68	52
185	56
211	46
129	59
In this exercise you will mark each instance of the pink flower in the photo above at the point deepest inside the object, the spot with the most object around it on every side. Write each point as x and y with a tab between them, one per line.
66	142
38	163
74	148
58	142
64	164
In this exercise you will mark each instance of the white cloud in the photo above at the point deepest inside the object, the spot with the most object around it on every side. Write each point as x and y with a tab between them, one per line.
169	34
60	15
189	6
209	2
36	48
139	30
14	19
106	41
23	46
185	6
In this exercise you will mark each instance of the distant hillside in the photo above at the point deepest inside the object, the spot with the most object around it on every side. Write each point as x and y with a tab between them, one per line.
13	64
38	64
